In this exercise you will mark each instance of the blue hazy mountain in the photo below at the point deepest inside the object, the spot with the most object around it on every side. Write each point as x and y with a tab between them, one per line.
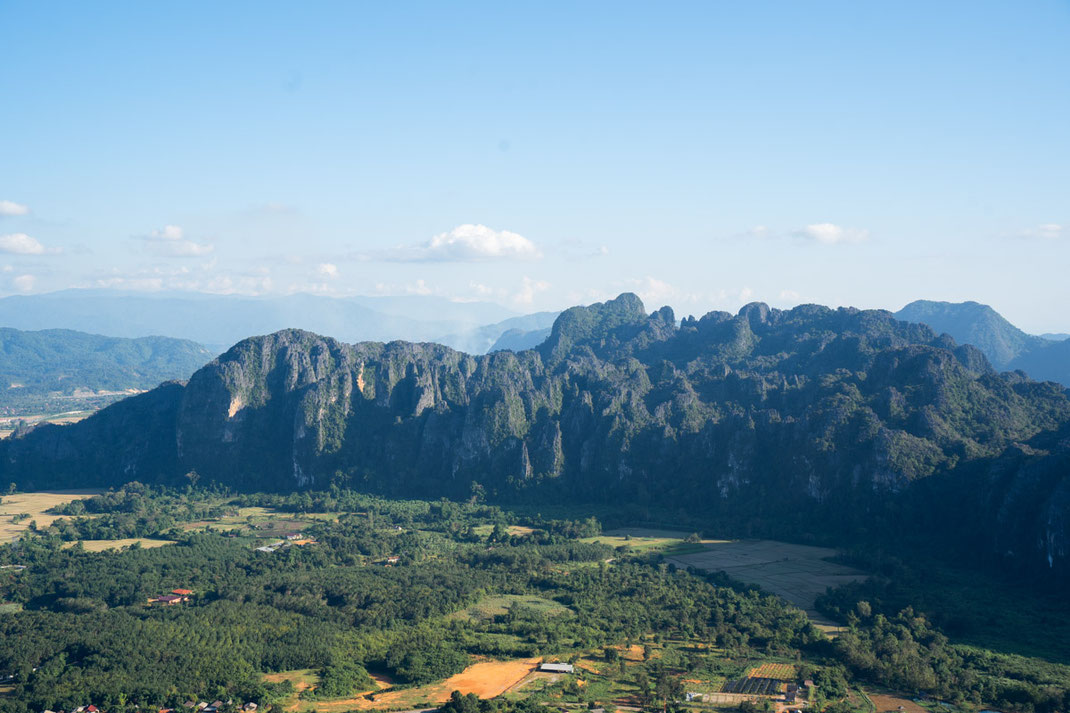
1042	357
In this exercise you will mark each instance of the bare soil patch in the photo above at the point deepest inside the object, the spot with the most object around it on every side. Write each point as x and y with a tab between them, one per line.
101	545
885	702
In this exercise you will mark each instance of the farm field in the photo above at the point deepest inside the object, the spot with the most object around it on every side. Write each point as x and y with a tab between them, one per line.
34	505
779	671
102	545
797	573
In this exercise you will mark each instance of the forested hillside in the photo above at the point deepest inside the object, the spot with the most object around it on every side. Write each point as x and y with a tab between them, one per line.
809	423
1042	357
57	368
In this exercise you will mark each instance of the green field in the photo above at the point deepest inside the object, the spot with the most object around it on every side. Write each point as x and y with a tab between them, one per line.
493	606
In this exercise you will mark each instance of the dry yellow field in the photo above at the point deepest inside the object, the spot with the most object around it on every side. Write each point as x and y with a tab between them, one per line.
34	504
101	545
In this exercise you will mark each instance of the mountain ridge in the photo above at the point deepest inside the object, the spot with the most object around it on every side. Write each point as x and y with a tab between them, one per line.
745	416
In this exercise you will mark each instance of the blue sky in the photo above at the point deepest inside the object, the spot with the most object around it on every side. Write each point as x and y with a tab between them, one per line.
543	154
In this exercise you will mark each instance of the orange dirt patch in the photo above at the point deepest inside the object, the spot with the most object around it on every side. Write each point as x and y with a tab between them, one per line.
489	678
486	679
891	703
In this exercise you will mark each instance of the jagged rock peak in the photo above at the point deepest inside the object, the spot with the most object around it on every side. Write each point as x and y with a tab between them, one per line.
594	323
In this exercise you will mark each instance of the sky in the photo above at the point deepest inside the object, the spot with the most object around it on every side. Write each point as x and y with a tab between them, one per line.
703	155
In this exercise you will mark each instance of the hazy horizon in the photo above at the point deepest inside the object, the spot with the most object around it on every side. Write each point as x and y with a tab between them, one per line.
703	156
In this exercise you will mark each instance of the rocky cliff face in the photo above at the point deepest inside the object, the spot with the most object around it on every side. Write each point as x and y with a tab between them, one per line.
766	419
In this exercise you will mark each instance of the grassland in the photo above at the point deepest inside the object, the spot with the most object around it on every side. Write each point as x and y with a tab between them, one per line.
34	506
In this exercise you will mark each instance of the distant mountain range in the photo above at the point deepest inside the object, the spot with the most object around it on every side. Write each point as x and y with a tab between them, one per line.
515	333
222	320
58	369
831	425
1042	357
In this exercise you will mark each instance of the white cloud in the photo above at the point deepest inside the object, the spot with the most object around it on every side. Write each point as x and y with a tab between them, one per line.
465	243
651	289
481	290
1046	231
10	208
327	269
789	295
529	288
420	288
171	242
23	244
24	283
656	293
832	234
